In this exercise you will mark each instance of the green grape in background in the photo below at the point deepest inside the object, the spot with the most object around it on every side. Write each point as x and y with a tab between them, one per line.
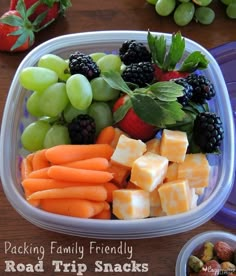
32	104
165	7
231	10
184	13
153	2
109	62
203	3
226	2
96	56
204	15
70	112
184	1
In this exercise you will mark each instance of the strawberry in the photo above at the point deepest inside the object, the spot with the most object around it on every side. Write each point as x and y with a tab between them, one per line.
171	64
132	124
50	8
16	31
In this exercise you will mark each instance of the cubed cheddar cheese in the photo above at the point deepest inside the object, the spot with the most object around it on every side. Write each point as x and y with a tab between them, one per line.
156	211
174	145
175	197
172	172
118	133
127	151
131	204
153	145
120	174
155	200
148	171
199	191
196	169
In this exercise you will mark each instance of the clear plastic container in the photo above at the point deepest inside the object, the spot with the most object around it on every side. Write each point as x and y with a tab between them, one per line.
15	118
195	242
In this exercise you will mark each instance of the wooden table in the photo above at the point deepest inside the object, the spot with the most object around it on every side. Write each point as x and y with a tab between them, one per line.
159	253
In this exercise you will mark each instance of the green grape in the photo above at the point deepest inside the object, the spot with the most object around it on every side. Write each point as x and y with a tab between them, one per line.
153	2
79	91
204	15
102	115
37	78
56	135
226	2
96	56
184	1
184	13
71	112
109	62
202	2
32	104
165	7
54	99
33	135
231	11
53	62
102	91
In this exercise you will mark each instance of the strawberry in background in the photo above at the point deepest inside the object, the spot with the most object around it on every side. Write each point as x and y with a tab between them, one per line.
51	8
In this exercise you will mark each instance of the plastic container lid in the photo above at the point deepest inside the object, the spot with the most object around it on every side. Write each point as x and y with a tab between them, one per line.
225	55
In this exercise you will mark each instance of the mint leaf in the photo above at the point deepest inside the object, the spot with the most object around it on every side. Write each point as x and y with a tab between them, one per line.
115	80
120	113
175	52
195	60
166	90
157	46
157	113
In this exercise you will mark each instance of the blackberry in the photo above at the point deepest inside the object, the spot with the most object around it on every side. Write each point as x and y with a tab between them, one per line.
208	132
82	129
187	91
132	51
203	89
80	63
141	73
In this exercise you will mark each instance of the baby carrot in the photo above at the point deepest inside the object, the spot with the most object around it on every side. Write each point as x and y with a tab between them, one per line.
78	175
26	168
106	135
39	160
40	184
68	153
104	214
34	202
95	193
81	208
41	173
110	187
96	163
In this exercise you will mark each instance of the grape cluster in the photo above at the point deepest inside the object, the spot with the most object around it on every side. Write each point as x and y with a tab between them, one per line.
56	97
184	11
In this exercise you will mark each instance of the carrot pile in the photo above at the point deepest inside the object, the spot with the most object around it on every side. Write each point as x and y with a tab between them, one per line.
72	180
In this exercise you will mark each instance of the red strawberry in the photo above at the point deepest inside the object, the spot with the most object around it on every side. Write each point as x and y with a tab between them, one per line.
50	8
16	31
132	124
161	75
171	63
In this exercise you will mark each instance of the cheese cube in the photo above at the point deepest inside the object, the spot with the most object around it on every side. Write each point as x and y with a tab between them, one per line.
172	172
155	200
127	151
120	174
196	169
118	133
131	204
174	145
156	211
153	145
148	171
175	197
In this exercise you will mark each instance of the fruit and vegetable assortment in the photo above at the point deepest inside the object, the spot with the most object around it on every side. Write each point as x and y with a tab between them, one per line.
213	258
185	11
25	18
105	123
